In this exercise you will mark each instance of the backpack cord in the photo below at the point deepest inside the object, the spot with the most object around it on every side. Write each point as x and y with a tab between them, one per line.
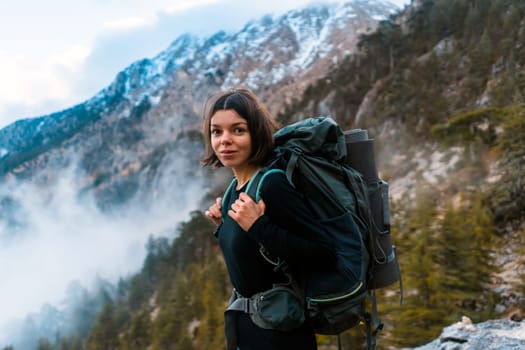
293	282
283	266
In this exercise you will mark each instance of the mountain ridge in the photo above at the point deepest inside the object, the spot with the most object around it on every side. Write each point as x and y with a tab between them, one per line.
166	93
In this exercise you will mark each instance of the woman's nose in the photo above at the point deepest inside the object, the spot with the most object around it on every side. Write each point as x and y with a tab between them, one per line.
226	138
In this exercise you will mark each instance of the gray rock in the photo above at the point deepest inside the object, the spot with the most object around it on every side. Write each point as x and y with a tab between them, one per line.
490	335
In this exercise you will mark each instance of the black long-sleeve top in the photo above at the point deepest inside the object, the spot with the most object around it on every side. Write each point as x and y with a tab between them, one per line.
287	230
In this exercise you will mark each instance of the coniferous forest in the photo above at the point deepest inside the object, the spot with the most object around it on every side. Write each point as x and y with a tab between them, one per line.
447	252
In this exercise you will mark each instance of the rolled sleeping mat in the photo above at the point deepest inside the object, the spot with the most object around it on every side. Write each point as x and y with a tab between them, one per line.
361	157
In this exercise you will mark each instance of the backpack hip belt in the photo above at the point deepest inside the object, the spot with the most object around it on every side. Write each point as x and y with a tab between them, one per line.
278	308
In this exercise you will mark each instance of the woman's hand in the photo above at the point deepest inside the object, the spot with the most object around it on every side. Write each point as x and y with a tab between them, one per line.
245	211
214	212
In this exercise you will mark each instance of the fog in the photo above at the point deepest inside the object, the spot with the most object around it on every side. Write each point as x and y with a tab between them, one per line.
50	237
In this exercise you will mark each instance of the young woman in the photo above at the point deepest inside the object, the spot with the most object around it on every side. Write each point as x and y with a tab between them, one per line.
239	135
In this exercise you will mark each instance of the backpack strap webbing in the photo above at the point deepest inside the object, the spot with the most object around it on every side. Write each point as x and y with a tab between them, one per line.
375	319
230	324
227	196
370	336
239	303
373	325
290	167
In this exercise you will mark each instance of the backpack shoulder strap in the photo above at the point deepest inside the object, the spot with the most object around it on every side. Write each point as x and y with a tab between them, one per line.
255	184
253	189
226	197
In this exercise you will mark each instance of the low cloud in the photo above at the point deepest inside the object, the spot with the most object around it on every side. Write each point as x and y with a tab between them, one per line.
51	237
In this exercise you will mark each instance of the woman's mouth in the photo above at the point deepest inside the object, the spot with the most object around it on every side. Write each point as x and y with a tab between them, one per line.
227	153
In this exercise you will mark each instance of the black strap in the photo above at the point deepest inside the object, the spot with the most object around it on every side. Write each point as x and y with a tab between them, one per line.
290	167
230	323
368	331
373	325
374	318
230	329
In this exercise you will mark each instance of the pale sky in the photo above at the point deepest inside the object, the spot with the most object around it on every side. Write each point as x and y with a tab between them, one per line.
57	53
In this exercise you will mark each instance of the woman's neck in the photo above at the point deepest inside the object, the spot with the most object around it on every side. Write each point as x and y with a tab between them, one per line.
244	175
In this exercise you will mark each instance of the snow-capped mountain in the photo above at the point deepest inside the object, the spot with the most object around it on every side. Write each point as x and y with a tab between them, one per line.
155	102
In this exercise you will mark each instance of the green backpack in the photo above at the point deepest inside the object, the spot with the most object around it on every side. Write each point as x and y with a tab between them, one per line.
336	173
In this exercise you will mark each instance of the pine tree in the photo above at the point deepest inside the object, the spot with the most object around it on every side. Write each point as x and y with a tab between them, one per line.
172	319
104	333
44	344
420	318
74	343
481	225
465	260
508	195
520	283
138	335
453	245
214	298
471	26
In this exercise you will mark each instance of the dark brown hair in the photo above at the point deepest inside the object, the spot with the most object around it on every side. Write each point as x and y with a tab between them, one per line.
260	124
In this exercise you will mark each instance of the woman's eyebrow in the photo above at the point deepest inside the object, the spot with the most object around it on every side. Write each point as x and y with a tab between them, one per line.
234	124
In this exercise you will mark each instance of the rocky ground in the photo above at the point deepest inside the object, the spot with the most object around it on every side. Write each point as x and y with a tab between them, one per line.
490	335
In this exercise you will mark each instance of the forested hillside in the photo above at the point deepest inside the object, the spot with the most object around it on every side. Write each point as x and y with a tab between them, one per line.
443	77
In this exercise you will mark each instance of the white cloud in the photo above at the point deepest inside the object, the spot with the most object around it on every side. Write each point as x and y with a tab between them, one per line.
28	77
127	23
72	58
186	5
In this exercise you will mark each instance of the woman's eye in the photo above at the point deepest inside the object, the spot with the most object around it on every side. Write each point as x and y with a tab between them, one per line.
215	132
239	130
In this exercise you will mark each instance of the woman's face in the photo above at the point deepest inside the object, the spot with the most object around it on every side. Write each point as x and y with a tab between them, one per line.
230	139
